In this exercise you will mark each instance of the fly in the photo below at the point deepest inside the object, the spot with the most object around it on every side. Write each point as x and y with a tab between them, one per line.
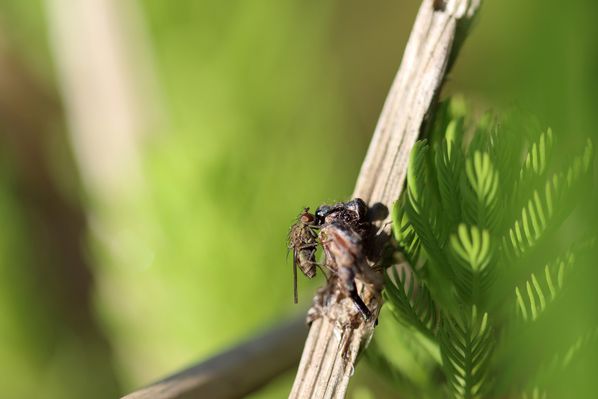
303	241
340	229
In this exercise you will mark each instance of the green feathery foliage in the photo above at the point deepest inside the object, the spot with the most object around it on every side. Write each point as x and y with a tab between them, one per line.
411	301
478	205
536	292
466	347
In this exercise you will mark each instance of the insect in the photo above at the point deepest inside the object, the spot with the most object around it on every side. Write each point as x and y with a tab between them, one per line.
303	241
340	229
343	227
351	213
343	249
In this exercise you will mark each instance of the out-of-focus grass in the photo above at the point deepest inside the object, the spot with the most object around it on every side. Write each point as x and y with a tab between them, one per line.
255	134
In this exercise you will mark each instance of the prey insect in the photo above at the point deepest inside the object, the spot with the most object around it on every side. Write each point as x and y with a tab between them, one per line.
303	241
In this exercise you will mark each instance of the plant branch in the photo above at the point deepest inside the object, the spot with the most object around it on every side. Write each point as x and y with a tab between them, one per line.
331	348
236	372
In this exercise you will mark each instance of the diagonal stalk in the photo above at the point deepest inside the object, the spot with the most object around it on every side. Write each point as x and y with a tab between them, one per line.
439	30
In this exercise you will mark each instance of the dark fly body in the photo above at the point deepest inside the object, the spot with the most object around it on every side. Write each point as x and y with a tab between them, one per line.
340	228
303	241
352	212
350	215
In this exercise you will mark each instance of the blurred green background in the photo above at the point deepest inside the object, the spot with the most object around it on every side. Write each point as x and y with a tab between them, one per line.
247	111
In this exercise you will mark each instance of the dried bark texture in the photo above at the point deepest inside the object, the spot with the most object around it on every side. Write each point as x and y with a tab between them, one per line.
333	343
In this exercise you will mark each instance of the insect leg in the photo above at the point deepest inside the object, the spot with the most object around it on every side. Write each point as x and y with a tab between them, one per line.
363	309
348	277
295	295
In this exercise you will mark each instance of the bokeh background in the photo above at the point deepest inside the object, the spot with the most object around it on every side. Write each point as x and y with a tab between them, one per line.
153	154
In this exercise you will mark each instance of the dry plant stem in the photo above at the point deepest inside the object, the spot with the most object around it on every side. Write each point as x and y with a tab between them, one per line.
331	348
236	372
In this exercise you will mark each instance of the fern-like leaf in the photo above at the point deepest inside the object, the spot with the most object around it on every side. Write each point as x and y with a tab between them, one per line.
449	167
546	208
481	191
419	208
472	251
532	174
416	176
505	151
465	214
537	159
536	217
404	232
466	347
580	165
534	295
410	301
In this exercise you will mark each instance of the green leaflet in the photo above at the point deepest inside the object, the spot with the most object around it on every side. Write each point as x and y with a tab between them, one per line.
416	176
473	253
466	346
481	191
536	160
411	301
449	165
533	295
404	232
536	216
546	208
472	247
467	225
422	211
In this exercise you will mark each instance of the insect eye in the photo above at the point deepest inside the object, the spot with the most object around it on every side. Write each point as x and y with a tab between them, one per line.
323	210
307	218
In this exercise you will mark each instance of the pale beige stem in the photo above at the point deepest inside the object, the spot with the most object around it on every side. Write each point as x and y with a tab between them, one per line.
420	76
109	89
